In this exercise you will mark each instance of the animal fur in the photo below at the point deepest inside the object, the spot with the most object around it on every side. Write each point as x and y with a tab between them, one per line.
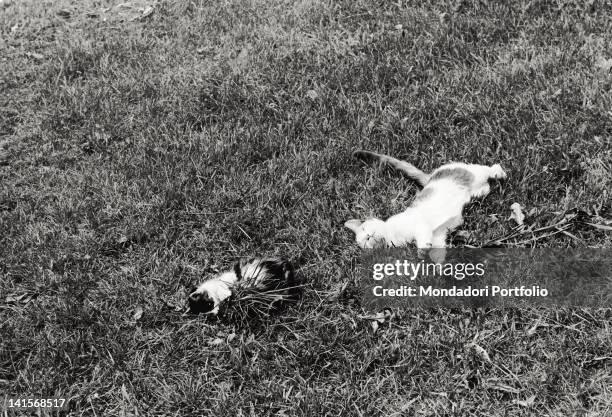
259	274
436	209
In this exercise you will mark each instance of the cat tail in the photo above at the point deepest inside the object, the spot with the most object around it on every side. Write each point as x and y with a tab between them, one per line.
408	169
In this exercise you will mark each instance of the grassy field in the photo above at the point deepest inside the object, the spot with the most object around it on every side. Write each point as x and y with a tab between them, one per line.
138	156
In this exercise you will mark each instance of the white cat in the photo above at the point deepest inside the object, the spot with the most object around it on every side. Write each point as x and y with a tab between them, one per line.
436	209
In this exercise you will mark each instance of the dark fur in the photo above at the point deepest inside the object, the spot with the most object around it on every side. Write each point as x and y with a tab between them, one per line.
200	303
238	271
461	176
281	271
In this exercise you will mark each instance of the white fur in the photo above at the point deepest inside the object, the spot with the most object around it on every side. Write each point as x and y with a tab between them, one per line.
429	219
219	288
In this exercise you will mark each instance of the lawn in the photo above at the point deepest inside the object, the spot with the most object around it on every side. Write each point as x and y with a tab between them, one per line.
143	149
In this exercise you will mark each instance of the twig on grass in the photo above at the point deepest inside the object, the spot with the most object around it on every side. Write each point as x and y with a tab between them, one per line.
565	222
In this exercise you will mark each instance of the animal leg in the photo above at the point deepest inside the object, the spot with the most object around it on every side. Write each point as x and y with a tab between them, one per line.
482	190
424	240
439	239
496	172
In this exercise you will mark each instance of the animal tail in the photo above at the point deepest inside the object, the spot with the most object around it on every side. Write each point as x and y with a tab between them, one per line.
408	169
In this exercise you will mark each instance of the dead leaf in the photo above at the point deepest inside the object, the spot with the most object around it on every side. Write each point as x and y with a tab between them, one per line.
533	328
312	94
337	291
129	11
379	318
124	393
527	402
146	12
138	313
374	325
175	301
517	214
34	55
216	342
481	352
603	63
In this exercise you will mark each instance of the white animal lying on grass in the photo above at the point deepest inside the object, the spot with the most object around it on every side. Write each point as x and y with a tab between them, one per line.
436	209
263	280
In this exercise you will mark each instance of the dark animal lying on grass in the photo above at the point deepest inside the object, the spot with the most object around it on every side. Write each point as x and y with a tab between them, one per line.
265	281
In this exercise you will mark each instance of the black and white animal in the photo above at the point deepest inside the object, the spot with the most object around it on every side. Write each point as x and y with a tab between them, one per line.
436	209
255	273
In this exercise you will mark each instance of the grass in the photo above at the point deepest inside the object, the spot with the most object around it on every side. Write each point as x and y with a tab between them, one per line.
136	156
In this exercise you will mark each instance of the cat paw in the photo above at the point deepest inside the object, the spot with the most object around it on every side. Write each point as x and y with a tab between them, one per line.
482	191
498	172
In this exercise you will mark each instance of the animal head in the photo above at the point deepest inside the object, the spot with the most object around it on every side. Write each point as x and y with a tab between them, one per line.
209	295
368	234
202	302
